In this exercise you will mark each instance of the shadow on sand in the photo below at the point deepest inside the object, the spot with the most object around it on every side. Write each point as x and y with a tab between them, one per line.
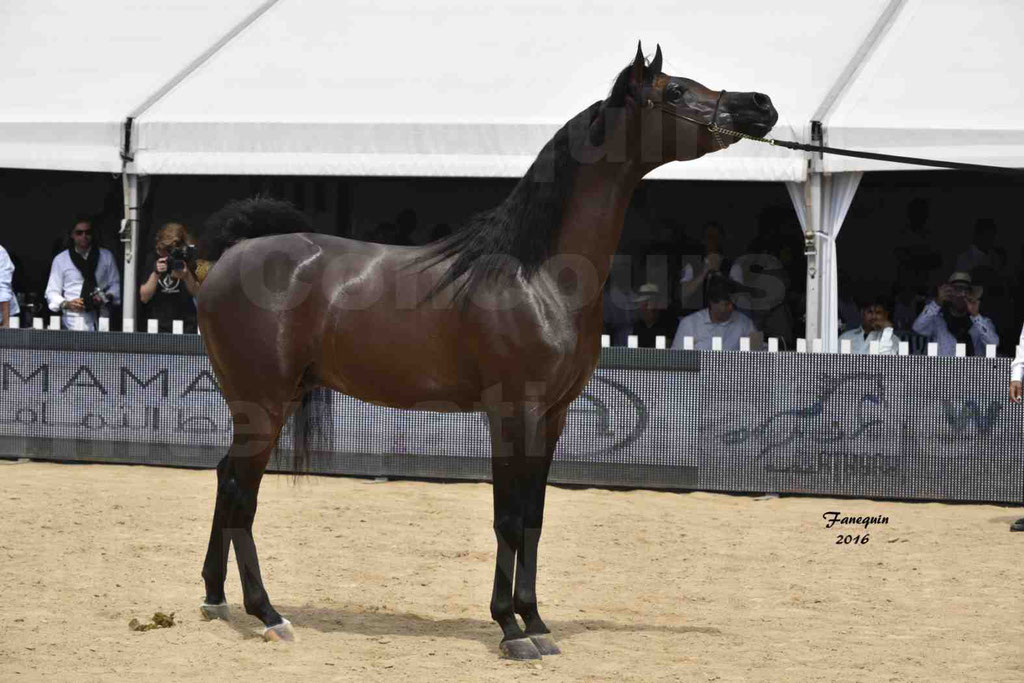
351	619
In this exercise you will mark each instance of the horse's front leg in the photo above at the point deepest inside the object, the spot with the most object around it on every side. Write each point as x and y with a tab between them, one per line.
507	459
534	484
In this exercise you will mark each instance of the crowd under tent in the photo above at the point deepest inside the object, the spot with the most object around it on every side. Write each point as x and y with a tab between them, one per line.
460	89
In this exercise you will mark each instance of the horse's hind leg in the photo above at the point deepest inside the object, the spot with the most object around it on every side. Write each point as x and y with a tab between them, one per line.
534	485
239	475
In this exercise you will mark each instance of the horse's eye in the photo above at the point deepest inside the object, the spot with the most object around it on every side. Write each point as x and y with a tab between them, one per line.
672	93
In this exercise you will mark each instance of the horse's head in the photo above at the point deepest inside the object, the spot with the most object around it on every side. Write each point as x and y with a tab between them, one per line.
677	115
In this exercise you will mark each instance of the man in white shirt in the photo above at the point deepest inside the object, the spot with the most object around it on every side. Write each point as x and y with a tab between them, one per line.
8	301
1016	374
875	327
83	280
719	319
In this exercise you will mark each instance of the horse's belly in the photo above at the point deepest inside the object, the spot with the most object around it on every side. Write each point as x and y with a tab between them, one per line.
402	372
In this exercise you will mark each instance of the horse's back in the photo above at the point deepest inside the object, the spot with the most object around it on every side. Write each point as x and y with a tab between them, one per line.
358	317
349	314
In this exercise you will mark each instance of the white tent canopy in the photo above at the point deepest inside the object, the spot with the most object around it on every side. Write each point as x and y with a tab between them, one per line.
400	88
943	83
72	72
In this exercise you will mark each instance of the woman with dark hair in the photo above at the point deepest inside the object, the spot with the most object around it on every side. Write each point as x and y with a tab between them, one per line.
169	292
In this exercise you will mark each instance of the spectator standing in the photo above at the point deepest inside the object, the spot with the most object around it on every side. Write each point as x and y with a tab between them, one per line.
875	326
83	280
168	293
652	318
981	253
954	316
693	284
719	319
618	309
916	255
8	299
775	265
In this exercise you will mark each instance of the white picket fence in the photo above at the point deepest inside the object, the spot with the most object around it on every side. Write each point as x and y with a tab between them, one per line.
152	326
845	346
660	342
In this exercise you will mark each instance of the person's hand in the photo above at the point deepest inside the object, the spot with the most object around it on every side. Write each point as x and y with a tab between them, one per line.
161	265
945	293
712	262
1015	391
973	305
882	321
77	305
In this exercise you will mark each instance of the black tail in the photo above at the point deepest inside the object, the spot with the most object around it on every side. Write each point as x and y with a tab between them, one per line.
247	218
312	427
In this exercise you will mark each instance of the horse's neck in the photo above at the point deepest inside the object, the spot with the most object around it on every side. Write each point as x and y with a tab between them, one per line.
593	219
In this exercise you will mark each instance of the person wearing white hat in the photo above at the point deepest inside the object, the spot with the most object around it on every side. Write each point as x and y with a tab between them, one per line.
652	318
954	317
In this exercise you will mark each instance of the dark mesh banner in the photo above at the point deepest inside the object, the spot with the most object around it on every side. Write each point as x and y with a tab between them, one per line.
869	426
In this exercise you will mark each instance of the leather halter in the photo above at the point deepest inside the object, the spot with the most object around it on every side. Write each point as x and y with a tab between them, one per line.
711	125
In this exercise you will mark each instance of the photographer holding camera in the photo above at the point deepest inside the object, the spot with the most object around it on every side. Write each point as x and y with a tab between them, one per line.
954	316
84	280
169	290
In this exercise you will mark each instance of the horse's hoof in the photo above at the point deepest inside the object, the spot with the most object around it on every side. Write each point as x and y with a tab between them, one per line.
545	644
519	648
211	612
283	633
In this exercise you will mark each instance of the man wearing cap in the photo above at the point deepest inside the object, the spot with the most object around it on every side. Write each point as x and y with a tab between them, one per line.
953	317
719	319
652	320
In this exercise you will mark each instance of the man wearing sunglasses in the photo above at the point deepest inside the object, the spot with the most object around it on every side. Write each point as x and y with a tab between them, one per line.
84	280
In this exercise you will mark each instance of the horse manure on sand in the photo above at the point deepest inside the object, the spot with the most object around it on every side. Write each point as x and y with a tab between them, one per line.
160	620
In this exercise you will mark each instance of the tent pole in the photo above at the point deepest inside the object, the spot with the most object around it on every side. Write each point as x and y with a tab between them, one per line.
130	239
812	249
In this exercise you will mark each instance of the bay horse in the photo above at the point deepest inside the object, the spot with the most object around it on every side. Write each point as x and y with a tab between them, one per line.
502	317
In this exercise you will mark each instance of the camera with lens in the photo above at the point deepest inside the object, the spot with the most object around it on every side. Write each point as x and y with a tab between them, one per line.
96	299
179	257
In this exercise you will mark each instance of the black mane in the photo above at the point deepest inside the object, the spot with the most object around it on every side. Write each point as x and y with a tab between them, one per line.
518	235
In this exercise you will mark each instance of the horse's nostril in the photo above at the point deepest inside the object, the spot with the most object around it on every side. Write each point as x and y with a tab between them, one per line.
762	102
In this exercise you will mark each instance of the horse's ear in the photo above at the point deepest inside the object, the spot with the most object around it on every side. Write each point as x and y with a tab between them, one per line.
636	72
656	64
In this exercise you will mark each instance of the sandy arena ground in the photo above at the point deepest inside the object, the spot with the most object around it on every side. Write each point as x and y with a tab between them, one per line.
391	581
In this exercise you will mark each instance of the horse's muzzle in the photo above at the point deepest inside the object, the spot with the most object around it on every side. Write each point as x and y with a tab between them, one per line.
749	112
